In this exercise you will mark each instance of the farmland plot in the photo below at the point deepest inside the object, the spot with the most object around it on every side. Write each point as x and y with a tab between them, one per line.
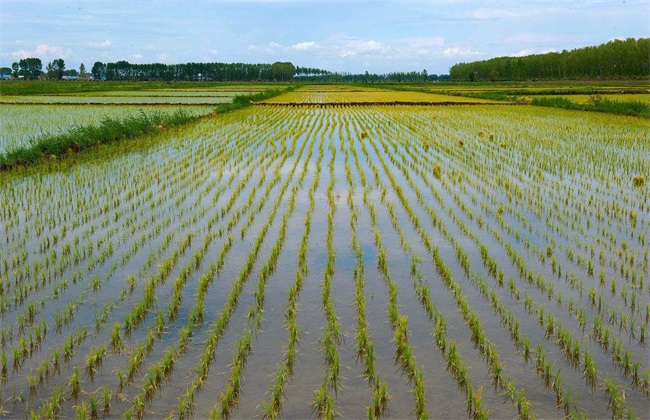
348	94
366	261
19	124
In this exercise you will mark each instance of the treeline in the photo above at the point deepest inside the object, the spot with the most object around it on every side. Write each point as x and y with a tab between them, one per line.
317	75
615	59
32	68
227	72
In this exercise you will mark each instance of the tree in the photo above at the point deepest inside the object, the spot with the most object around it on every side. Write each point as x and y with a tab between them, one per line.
82	70
98	70
16	68
5	70
31	67
59	67
49	70
425	75
283	71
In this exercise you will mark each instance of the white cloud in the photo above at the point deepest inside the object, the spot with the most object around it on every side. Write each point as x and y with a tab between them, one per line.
303	46
522	53
43	51
352	47
531	51
460	52
99	45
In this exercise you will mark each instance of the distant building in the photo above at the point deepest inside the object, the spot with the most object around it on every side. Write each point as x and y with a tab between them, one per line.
5	76
70	77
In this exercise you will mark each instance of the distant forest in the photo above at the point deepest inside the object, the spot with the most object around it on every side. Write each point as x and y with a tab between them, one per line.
615	59
32	68
228	72
306	74
241	72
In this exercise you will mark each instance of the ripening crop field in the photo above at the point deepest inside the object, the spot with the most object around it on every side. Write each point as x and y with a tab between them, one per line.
348	94
373	261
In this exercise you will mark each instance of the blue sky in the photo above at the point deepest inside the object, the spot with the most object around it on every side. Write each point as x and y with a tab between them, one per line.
347	36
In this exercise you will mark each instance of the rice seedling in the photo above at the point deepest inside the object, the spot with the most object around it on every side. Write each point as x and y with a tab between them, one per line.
106	398
74	383
638	181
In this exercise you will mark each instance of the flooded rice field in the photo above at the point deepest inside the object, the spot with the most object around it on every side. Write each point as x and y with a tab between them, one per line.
368	261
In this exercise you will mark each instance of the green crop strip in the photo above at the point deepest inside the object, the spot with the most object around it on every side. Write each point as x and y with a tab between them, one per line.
633	108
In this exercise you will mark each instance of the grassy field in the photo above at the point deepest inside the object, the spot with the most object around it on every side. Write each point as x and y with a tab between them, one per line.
362	261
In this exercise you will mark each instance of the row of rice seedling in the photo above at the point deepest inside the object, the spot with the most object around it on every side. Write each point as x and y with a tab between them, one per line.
185	403
404	355
365	344
550	250
136	357
68	313
325	395
456	366
230	395
559	296
508	320
195	315
285	369
448	347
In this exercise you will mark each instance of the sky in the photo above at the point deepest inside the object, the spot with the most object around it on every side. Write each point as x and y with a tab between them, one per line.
336	35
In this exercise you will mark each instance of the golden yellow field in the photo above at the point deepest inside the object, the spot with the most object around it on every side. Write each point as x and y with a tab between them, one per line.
350	94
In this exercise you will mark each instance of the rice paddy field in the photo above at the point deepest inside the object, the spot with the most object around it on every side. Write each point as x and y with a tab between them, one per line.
360	261
57	113
345	94
17	131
